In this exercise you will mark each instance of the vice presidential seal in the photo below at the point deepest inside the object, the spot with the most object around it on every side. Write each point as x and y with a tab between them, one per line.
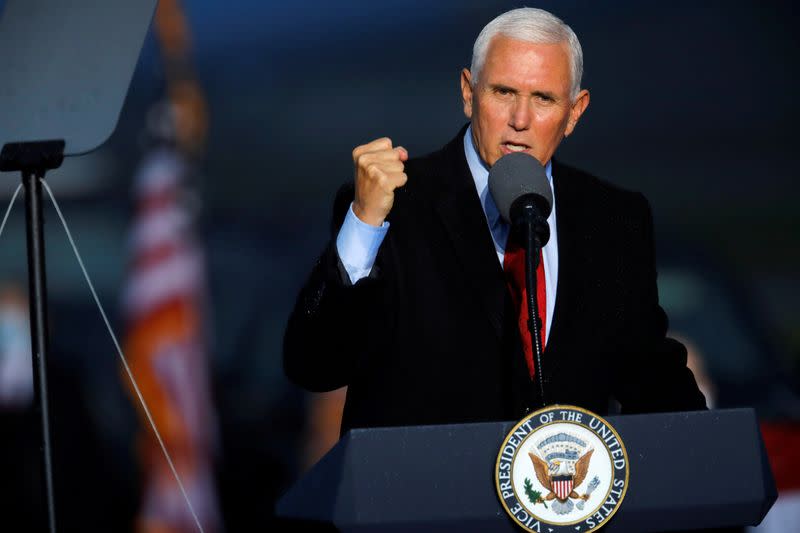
562	469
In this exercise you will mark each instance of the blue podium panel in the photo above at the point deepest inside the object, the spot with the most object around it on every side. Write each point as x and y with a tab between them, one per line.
687	471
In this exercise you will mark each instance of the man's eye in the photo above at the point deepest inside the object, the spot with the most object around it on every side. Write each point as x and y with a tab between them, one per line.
503	91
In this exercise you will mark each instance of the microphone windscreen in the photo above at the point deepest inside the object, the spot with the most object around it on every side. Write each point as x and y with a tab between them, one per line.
515	175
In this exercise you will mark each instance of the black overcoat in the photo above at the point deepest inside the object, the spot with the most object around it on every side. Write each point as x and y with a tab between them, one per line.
430	336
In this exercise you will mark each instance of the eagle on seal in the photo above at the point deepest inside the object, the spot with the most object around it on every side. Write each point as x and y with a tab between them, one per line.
556	468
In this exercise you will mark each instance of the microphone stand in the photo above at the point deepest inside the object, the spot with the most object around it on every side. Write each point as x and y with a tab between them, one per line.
519	186
535	231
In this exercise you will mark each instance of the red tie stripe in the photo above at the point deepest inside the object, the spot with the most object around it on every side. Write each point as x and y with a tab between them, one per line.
514	267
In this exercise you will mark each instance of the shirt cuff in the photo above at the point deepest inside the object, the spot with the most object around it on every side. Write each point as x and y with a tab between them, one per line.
357	245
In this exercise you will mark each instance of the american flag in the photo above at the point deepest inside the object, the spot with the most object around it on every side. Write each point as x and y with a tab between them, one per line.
164	305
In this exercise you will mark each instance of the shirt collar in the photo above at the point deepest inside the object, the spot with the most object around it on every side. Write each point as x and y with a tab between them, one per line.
480	174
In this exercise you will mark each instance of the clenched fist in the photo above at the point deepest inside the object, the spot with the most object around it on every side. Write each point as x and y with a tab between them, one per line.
379	171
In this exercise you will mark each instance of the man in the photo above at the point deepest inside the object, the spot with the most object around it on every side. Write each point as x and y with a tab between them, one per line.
410	305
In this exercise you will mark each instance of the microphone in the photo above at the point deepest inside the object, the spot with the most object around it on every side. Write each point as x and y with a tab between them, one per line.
518	184
519	187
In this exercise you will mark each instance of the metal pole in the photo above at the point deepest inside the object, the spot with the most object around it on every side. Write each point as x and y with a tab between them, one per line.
38	308
532	248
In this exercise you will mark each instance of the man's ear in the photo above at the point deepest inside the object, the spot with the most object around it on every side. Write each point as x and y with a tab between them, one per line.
578	107
466	92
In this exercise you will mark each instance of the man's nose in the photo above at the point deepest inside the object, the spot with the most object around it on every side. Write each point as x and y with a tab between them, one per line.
520	118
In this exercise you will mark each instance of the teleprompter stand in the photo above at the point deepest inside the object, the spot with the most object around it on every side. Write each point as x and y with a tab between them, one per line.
66	67
33	160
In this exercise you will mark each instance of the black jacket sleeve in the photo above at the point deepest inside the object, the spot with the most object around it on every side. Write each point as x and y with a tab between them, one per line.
653	376
332	325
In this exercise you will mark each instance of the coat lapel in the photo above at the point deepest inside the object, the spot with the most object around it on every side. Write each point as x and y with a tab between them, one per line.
461	214
464	222
570	259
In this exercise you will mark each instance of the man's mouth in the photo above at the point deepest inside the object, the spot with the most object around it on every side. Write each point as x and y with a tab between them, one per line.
511	147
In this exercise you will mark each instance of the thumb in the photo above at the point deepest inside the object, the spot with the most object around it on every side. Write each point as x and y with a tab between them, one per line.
402	152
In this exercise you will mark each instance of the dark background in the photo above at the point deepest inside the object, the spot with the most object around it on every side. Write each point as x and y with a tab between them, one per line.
694	104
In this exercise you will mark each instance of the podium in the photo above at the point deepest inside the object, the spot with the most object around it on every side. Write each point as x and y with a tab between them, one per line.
688	470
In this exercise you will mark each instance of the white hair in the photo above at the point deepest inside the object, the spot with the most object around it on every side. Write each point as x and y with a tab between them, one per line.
534	26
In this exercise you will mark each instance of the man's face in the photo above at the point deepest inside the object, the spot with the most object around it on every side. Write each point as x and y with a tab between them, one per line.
522	99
